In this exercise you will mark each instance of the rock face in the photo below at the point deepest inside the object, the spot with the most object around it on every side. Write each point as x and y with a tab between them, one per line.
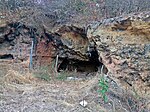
124	46
15	41
72	47
70	44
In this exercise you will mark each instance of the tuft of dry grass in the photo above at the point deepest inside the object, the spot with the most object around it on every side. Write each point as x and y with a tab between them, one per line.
13	76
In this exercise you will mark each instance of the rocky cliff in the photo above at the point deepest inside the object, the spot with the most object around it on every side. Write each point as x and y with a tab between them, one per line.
123	44
69	43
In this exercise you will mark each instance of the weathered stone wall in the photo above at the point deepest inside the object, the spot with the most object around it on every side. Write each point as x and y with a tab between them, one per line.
15	40
124	46
43	55
69	42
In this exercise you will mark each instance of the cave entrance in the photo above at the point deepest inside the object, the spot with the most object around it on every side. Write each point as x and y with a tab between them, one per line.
80	66
92	65
77	65
6	56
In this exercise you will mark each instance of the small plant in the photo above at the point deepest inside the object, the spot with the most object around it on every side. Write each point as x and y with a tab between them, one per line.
103	84
43	76
43	73
61	76
135	94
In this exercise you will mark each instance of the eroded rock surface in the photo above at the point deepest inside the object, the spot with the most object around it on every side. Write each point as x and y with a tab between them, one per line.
15	42
124	46
72	47
69	43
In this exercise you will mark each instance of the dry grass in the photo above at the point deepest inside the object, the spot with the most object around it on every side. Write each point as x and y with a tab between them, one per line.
13	76
62	95
140	28
58	96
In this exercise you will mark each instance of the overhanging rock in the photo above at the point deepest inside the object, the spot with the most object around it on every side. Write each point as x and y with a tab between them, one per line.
72	47
69	43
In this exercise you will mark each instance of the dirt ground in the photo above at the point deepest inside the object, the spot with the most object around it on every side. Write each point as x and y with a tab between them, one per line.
24	93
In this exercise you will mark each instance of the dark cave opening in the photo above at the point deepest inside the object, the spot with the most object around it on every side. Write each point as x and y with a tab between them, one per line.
80	66
6	56
92	65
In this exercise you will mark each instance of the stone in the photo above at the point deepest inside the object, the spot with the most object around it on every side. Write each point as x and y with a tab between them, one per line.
128	54
1	38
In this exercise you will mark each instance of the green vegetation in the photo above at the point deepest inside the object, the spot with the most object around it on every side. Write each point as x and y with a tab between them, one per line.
135	94
43	73
61	76
43	76
103	84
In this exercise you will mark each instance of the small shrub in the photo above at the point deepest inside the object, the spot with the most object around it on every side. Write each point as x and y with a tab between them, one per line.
43	76
61	76
43	73
103	84
135	94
